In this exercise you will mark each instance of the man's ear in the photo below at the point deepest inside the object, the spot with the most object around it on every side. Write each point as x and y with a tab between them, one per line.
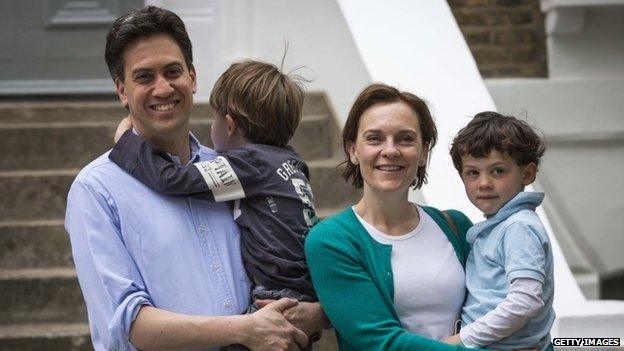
121	92
193	75
232	127
530	172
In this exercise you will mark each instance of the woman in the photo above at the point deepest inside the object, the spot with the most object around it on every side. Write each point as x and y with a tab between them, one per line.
389	273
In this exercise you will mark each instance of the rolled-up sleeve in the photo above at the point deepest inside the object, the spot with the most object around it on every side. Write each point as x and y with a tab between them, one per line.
110	281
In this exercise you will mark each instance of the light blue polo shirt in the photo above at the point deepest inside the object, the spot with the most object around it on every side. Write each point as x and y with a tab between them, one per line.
511	244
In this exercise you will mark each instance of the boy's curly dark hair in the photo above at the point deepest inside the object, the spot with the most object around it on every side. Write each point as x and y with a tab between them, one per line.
505	134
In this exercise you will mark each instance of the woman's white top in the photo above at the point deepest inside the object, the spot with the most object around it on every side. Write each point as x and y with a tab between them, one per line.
429	287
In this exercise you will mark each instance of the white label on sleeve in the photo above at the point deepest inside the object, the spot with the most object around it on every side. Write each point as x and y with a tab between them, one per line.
221	179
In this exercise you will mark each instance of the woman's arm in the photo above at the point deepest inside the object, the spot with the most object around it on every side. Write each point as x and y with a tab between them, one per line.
352	300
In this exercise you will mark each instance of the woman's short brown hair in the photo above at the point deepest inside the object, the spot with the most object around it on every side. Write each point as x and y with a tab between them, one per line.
384	94
265	103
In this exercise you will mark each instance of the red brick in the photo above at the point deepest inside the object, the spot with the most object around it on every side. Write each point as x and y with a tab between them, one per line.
455	3
487	55
514	36
477	36
513	2
523	17
522	54
478	18
506	37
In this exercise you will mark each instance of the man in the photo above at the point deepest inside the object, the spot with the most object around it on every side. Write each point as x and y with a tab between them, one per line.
156	271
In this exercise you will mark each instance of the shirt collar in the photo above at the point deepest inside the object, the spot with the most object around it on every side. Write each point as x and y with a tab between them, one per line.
524	200
193	145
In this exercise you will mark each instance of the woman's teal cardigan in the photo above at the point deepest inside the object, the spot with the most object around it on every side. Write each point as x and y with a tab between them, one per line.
352	276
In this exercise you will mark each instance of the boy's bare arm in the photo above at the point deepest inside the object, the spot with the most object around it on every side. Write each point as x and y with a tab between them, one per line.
123	125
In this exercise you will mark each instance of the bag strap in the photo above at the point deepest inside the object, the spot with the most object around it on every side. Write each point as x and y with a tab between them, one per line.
451	222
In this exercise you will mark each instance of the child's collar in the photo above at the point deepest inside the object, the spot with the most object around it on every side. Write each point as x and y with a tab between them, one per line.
529	200
523	200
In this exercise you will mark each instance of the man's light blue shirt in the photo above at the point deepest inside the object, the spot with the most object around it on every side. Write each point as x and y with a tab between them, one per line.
511	244
135	247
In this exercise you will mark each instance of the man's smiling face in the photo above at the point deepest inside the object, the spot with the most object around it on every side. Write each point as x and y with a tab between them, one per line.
158	87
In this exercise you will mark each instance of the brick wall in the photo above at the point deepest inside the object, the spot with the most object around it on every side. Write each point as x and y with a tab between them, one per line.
506	37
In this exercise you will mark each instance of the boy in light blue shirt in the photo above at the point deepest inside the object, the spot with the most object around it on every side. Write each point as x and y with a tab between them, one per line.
509	271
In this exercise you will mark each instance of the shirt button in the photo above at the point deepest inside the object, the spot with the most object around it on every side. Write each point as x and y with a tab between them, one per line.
227	303
215	266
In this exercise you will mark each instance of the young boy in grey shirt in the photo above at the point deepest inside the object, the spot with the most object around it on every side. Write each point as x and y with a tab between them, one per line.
256	111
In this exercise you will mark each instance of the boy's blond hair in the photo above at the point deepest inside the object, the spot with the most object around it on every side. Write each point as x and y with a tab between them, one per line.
265	103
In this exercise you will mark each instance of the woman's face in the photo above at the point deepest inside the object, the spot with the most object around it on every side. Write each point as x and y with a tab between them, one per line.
389	147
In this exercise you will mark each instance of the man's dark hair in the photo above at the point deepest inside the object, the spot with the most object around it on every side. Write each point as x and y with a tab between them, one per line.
142	23
492	131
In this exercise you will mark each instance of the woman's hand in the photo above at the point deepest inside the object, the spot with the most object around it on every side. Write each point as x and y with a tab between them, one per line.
453	339
306	316
124	125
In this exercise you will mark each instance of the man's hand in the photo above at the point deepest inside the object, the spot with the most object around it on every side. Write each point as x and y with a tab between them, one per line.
453	339
269	330
124	125
307	316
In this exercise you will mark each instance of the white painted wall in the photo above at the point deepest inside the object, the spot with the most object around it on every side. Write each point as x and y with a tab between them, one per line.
585	37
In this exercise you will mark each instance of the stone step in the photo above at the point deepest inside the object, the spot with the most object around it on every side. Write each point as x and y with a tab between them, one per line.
46	295
41	195
330	190
34	244
34	195
74	144
45	336
98	111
